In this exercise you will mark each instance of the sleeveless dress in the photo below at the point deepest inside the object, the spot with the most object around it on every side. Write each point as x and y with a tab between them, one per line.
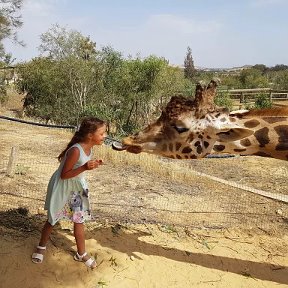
68	198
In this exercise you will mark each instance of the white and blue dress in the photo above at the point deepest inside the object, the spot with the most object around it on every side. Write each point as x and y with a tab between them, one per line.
68	198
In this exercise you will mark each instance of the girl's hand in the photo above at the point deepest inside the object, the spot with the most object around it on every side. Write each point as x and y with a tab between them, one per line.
92	164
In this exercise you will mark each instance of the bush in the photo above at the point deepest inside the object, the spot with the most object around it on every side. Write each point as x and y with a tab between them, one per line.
223	100
262	101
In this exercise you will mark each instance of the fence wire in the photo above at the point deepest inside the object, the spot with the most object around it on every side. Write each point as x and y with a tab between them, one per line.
127	193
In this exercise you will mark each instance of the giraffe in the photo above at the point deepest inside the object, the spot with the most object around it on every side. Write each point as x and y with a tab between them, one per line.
194	128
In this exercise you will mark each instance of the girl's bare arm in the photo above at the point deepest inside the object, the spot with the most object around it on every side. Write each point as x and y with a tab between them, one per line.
71	159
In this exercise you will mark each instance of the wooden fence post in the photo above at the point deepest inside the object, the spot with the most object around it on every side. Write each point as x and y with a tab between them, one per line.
12	162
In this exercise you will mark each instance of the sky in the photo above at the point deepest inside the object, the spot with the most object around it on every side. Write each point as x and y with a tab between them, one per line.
221	33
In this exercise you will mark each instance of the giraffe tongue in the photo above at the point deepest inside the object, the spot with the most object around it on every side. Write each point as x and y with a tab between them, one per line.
118	146
121	147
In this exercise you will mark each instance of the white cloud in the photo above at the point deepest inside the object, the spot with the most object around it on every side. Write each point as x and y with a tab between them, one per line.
173	23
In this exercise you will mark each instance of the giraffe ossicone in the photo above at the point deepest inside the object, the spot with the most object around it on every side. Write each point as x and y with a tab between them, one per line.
194	128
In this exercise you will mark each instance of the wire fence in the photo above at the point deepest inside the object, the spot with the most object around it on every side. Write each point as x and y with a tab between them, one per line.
126	193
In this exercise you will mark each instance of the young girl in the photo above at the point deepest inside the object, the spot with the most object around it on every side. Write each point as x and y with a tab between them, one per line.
67	193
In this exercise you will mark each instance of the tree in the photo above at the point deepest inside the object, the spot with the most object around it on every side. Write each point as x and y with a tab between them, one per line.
10	20
59	43
189	69
260	67
252	78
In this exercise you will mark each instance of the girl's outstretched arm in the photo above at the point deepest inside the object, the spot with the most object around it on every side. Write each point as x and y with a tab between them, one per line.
71	159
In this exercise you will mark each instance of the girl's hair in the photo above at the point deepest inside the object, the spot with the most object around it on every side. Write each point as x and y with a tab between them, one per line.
88	125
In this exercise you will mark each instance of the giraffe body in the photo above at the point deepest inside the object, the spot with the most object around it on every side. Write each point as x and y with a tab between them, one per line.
191	129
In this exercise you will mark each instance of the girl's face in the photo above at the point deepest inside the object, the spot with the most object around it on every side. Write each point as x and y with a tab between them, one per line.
99	135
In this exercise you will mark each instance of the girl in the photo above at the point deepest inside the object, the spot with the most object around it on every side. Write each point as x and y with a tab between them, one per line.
67	193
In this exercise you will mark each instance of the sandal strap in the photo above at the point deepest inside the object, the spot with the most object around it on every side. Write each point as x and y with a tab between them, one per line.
41	247
80	257
37	256
89	262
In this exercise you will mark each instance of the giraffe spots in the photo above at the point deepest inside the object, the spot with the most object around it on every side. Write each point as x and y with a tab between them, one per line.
282	131
245	142
199	149
232	119
178	146
206	144
187	150
239	150
262	154
193	157
218	148
198	146
262	136
178	156
190	138
274	119
251	123
282	146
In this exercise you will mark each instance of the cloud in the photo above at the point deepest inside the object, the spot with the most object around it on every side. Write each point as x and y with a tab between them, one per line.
174	23
162	35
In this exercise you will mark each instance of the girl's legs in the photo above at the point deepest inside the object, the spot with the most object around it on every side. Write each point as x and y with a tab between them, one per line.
80	242
79	237
46	231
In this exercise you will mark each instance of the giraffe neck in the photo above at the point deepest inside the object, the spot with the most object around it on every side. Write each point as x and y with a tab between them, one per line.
270	137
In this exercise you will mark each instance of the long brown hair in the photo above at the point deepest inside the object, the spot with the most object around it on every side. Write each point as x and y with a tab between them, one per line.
88	125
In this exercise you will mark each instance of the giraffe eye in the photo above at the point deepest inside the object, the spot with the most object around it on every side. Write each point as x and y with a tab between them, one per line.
180	129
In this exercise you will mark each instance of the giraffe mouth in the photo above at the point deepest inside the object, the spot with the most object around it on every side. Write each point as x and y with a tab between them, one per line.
124	147
118	146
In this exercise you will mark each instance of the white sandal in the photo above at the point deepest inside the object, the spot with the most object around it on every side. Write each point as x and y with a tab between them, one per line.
38	257
88	263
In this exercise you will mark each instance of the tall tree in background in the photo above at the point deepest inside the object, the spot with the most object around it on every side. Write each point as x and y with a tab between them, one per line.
59	43
10	20
189	69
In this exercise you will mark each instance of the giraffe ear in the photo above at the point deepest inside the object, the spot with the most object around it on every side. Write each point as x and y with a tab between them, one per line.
233	134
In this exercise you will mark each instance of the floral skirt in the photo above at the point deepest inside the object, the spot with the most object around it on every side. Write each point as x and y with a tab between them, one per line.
76	208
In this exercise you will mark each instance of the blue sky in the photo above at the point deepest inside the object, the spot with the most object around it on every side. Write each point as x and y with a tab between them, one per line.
221	33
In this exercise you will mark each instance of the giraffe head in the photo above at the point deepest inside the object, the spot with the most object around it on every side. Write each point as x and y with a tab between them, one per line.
187	128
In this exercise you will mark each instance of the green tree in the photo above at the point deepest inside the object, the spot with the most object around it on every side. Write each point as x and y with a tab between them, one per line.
253	78
10	21
189	69
59	43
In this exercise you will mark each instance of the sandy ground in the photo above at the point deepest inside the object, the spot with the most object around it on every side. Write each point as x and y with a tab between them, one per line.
236	239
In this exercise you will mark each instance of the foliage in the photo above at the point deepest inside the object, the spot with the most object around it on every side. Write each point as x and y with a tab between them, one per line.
10	20
223	99
252	78
76	80
59	43
279	79
279	67
65	86
189	69
3	91
262	101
